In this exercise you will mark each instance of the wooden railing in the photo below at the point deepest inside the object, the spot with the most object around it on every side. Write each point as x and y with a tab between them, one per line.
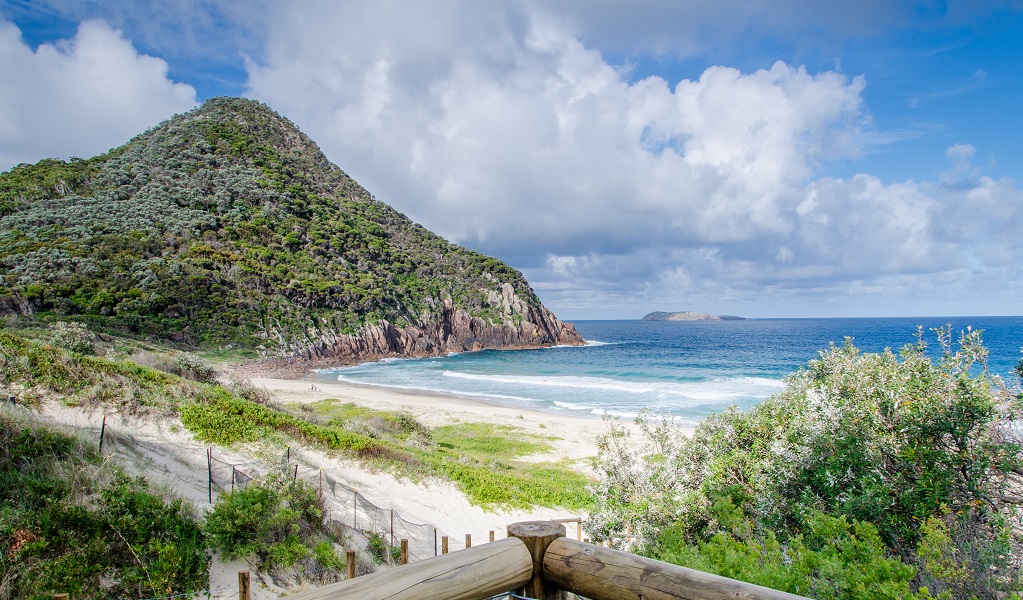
538	561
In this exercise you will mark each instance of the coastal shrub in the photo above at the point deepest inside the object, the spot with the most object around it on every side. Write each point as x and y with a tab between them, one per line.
192	367
72	522
276	520
73	337
891	441
831	558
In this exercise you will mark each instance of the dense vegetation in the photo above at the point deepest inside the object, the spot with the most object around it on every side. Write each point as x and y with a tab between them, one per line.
227	225
71	522
870	476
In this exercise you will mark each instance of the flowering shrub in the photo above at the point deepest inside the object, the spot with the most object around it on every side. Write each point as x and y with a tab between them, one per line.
73	337
888	440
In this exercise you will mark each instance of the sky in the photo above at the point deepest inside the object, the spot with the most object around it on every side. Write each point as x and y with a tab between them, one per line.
792	158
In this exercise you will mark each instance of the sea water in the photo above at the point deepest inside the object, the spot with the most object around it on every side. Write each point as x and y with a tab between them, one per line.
689	369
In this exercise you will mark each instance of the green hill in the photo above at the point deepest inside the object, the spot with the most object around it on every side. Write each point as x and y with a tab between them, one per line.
228	226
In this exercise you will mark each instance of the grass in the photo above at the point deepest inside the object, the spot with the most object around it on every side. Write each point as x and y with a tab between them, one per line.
483	441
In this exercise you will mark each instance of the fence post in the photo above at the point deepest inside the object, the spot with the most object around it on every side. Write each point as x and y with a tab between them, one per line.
350	572
232	477
209	471
468	540
435	541
537	535
491	535
444	544
243	585
392	526
102	430
404	551
295	478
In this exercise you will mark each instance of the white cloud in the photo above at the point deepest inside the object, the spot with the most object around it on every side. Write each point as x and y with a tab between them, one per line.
549	145
500	129
80	96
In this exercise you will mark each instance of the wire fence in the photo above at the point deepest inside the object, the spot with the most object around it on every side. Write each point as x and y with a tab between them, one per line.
351	513
349	509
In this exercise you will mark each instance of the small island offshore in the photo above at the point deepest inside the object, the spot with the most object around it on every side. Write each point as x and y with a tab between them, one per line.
688	315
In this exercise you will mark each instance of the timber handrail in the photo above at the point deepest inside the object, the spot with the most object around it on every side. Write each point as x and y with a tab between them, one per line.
540	561
600	573
471	574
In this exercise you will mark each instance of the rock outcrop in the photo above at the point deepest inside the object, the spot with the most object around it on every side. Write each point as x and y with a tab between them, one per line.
688	315
454	330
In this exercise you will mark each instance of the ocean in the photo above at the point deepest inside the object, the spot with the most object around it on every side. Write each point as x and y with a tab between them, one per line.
689	369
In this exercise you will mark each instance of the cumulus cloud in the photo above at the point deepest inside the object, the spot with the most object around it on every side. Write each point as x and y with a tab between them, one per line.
500	129
505	131
79	96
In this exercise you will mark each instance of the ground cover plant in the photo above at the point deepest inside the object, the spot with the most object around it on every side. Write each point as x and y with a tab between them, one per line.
71	522
870	475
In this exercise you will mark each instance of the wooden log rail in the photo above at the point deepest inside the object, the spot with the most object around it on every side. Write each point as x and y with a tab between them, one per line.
538	561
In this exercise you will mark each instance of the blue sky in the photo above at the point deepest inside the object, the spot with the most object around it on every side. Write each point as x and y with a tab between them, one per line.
792	158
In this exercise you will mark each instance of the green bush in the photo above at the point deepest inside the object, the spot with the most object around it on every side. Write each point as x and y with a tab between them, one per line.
831	559
70	522
276	520
890	441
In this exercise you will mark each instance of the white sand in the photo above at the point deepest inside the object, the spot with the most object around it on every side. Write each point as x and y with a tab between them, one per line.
163	451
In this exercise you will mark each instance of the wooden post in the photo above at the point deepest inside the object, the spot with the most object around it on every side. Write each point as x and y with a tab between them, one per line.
392	526
209	471
102	430
350	573
295	478
491	535
232	477
243	585
468	540
56	596
435	541
443	544
537	535
404	552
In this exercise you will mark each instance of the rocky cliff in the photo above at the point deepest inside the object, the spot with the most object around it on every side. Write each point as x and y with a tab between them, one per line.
688	315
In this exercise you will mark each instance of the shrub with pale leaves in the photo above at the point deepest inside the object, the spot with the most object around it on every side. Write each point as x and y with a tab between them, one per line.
73	337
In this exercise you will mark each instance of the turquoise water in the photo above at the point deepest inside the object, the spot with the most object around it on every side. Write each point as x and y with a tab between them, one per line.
688	369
